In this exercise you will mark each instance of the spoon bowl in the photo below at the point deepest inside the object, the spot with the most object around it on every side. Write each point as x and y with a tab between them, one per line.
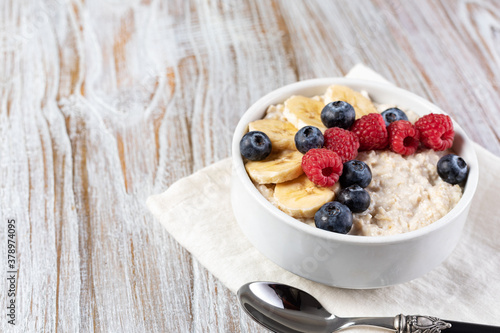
283	308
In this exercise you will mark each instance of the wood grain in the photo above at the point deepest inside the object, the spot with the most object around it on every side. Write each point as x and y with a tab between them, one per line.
106	102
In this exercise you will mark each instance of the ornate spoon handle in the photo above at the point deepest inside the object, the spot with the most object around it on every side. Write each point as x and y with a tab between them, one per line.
428	324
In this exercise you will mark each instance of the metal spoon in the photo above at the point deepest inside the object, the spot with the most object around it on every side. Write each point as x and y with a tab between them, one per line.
286	309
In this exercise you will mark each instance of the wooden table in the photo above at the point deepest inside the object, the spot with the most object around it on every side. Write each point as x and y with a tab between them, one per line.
106	102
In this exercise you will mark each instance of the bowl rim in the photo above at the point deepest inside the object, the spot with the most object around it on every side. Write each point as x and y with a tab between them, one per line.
288	90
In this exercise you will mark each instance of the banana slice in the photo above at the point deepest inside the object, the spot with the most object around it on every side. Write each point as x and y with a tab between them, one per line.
361	104
300	197
281	133
302	111
279	167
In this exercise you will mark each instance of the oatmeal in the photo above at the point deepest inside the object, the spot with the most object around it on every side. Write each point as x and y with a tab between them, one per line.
406	193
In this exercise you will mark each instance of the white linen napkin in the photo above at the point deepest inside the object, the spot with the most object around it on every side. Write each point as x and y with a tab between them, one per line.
196	211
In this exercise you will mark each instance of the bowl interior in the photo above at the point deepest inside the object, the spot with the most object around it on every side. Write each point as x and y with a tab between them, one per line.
379	93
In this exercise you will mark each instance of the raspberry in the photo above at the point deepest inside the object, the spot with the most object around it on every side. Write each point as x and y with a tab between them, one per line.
371	132
322	166
403	137
343	142
436	131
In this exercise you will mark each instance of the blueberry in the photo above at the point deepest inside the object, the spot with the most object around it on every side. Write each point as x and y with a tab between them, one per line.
452	169
355	172
393	114
338	114
355	197
308	137
334	216
255	146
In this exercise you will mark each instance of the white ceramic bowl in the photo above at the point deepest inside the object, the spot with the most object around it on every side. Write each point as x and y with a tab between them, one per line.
346	261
